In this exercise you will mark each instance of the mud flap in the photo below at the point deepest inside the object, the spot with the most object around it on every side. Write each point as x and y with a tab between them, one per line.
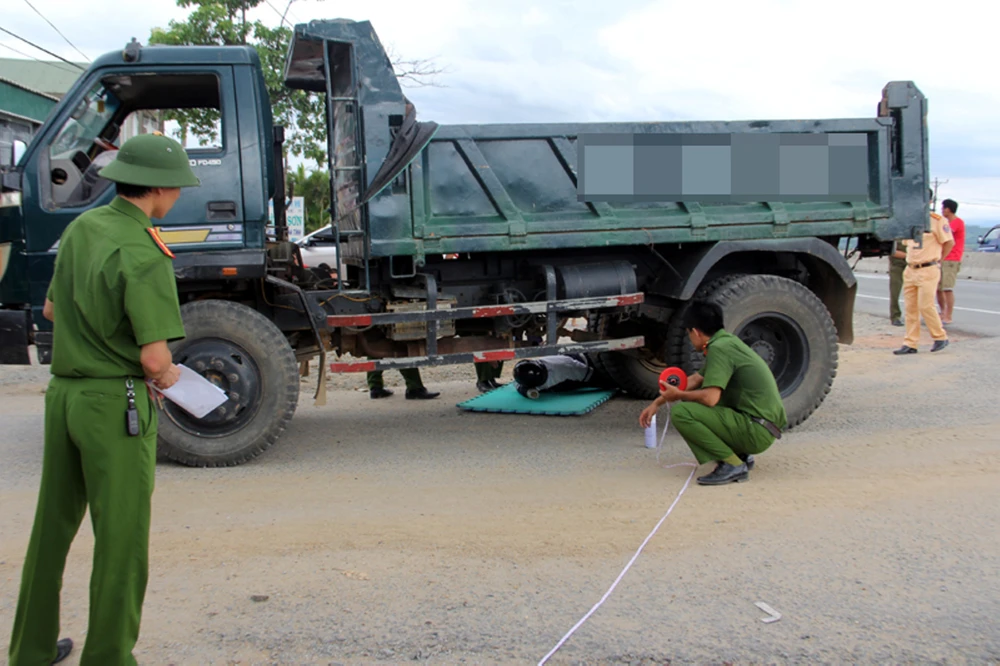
14	337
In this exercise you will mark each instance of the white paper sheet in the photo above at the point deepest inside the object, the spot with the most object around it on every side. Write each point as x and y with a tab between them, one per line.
194	394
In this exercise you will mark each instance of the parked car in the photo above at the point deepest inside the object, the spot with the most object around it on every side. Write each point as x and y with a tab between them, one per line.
991	241
318	248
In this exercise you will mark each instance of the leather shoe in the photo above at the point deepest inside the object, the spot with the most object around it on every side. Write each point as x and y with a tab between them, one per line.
377	393
420	394
484	387
939	345
904	350
725	473
63	647
897	322
495	384
747	460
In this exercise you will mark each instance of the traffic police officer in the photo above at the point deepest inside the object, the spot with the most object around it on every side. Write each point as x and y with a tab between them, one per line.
920	283
732	411
113	303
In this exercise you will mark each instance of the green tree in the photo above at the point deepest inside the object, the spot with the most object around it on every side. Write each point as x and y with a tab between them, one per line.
225	23
314	187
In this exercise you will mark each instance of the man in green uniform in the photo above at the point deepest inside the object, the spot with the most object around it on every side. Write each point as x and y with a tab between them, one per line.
415	389
897	264
113	302
487	374
732	411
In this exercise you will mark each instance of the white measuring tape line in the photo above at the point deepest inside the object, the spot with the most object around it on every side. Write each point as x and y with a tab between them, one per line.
634	557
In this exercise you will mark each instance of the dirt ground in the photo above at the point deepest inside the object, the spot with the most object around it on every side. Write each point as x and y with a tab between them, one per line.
399	531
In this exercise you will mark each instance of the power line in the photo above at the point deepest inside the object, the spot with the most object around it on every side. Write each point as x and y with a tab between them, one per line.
68	62
280	15
44	62
57	30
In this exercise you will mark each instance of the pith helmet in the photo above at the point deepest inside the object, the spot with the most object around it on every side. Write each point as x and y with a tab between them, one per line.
151	160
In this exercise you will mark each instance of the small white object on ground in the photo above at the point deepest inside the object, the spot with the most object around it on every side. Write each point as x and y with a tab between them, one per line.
775	615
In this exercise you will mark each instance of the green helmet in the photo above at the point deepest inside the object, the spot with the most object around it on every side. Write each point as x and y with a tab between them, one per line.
151	160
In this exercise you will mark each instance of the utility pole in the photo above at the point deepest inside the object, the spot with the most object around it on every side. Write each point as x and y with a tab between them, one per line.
936	183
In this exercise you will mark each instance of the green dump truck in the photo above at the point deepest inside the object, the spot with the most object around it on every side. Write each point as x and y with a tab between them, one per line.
456	244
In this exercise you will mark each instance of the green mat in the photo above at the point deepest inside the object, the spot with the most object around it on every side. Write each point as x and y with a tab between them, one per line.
506	400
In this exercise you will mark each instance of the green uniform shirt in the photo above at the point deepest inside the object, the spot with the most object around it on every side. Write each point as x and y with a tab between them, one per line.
114	290
747	383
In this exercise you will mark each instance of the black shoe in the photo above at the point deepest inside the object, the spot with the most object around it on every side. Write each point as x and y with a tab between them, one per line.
904	350
939	345
377	393
725	473
495	384
747	460
484	387
63	647
897	322
420	394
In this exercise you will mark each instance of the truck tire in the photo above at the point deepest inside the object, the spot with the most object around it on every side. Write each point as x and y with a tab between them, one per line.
244	353
637	372
782	321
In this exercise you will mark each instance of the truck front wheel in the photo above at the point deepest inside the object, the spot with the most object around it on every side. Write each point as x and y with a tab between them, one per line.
245	354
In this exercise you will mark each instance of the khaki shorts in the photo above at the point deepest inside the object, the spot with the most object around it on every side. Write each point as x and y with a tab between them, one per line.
949	274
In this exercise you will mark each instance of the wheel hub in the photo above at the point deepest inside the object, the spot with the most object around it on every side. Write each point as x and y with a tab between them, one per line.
229	367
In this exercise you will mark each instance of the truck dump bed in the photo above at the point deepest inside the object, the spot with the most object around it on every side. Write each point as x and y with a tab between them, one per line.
489	188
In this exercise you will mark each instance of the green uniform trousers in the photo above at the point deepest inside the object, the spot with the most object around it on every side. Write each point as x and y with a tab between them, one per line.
896	268
410	375
89	460
715	433
486	372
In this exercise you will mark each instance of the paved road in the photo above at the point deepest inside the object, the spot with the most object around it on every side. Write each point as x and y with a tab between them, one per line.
977	304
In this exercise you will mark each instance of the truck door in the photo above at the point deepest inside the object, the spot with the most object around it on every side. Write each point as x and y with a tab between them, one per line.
61	180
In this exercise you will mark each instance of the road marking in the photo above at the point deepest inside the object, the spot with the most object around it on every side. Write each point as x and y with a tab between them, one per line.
885	298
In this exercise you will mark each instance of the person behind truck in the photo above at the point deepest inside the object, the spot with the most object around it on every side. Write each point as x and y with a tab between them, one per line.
487	374
113	302
897	264
731	411
952	263
415	389
920	282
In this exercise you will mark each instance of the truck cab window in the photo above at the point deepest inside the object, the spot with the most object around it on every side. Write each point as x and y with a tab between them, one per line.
121	106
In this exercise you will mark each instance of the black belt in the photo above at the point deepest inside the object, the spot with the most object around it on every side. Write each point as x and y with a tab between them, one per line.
924	265
770	427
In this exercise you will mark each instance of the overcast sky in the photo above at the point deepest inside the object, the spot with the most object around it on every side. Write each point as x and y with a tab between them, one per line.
636	60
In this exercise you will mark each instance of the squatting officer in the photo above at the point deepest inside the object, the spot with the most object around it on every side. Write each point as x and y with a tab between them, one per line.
730	413
113	303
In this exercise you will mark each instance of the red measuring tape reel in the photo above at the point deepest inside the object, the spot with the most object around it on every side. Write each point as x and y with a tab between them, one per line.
674	377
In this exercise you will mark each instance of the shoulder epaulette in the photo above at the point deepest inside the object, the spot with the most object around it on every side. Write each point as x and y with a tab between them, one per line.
155	235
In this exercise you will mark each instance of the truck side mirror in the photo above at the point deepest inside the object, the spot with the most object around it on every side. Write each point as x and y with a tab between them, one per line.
20	148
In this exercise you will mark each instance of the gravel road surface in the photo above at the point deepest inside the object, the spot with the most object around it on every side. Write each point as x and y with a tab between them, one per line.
397	531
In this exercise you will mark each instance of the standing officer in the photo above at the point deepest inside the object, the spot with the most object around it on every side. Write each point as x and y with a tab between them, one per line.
732	411
897	264
415	389
487	374
113	301
920	281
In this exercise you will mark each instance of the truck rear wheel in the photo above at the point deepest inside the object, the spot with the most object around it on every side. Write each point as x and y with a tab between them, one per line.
786	324
245	354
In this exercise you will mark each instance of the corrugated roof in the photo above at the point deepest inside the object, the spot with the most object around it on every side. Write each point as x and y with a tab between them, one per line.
28	88
49	77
